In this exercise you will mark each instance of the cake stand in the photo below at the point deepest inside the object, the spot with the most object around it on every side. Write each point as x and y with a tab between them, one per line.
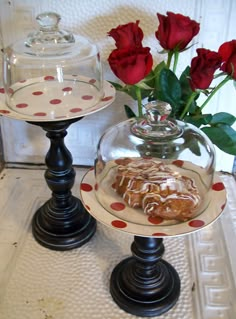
145	284
62	223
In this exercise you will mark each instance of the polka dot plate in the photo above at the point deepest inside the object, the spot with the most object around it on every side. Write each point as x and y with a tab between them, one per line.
48	99
145	226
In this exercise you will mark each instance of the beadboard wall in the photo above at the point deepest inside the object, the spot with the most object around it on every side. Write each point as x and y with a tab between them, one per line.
25	143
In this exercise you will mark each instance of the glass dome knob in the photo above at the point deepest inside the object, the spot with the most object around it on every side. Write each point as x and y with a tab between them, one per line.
48	20
157	111
155	123
49	32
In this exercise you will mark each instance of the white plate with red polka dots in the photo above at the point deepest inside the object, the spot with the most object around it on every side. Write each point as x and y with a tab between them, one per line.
48	99
117	216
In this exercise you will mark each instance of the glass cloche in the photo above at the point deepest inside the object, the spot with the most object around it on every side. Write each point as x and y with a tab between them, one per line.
156	166
52	72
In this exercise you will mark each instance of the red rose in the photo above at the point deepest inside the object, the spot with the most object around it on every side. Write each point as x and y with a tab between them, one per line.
127	35
203	68
175	31
131	65
227	52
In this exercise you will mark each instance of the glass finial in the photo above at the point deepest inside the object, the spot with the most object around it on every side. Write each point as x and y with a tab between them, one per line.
155	123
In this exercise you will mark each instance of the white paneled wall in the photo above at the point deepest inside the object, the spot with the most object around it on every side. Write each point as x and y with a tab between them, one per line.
93	19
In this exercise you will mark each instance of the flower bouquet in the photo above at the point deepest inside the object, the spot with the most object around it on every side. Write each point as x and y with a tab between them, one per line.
133	65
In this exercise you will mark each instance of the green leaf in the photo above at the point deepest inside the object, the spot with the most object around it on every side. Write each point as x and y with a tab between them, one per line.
144	86
194	147
198	120
192	144
194	108
184	82
159	67
186	93
129	112
223	136
130	90
168	88
117	86
223	118
150	78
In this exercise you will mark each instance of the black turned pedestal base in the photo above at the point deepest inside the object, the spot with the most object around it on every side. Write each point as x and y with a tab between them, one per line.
62	223
145	285
63	229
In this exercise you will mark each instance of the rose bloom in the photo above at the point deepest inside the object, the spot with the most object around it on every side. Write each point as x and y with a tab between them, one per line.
131	65
175	31
227	52
203	68
127	35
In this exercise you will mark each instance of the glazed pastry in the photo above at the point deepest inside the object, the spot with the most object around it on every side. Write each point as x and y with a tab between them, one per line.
157	189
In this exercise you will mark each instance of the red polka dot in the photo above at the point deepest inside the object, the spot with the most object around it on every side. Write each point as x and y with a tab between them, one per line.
117	206
55	101
92	81
86	187
87	97
218	186
155	220
75	110
21	105
22	81
40	114
118	224
107	98
2	90
10	91
37	93
4	112
196	223
159	234
87	207
67	89
91	168
49	78
178	163
96	187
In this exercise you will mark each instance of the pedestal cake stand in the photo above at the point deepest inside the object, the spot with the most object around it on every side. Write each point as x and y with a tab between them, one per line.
145	284
62	223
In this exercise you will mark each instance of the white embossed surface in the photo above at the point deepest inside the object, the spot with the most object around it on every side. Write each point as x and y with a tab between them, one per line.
93	19
38	283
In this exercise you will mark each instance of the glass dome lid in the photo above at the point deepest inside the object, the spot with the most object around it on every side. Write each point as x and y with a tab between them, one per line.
63	70
156	166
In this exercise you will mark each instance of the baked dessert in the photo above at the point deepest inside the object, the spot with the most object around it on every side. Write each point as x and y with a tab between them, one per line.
157	189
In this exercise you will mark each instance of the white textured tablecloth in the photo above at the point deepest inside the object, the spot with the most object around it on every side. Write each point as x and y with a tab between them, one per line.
37	283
